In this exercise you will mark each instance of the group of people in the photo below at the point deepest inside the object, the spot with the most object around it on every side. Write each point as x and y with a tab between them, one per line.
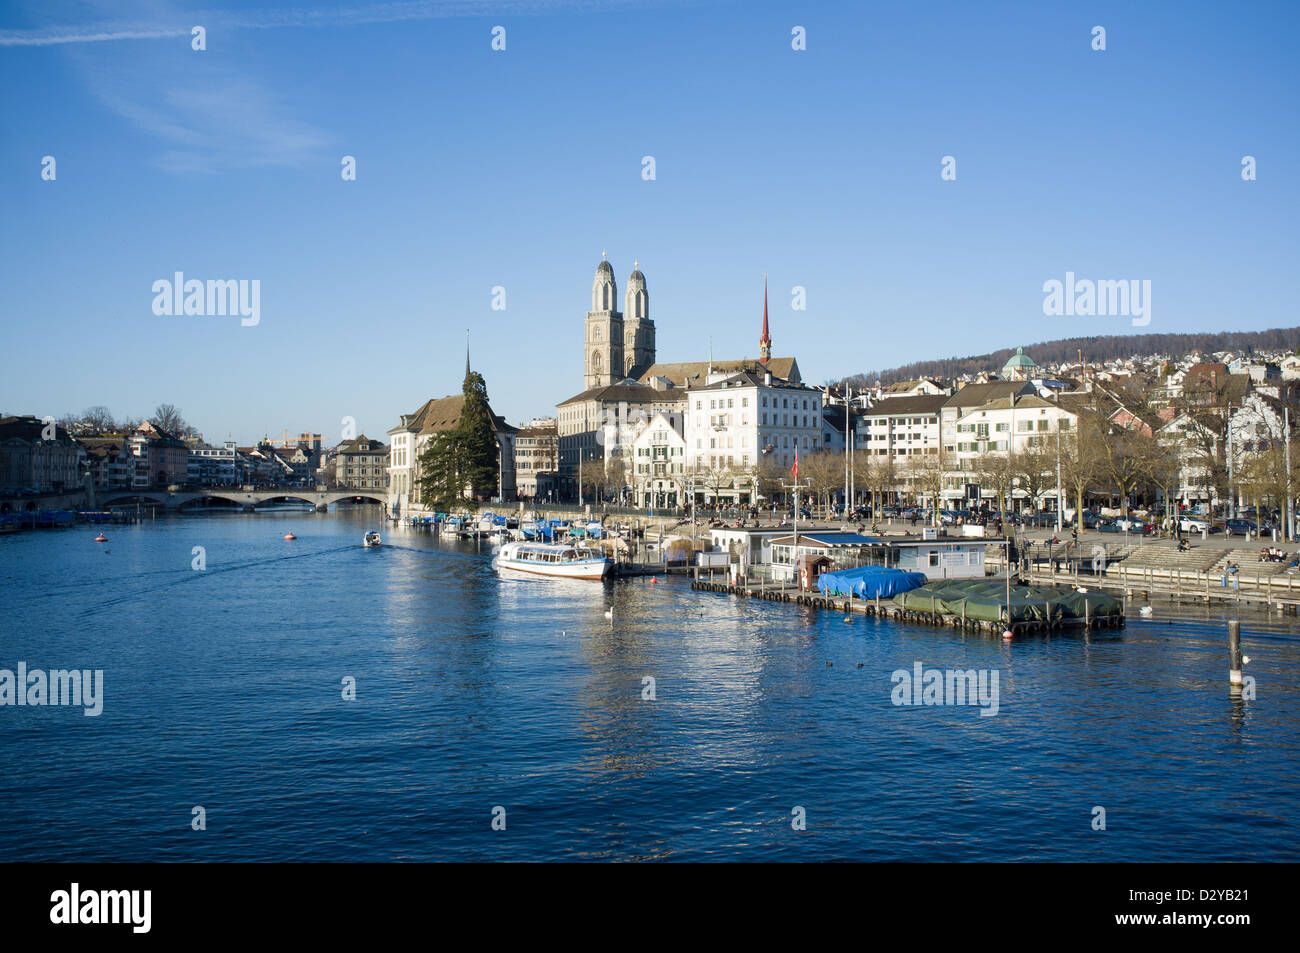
1271	554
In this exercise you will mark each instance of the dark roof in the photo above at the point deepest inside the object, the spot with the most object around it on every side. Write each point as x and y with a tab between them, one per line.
833	539
633	392
361	444
443	413
694	373
920	404
976	395
27	428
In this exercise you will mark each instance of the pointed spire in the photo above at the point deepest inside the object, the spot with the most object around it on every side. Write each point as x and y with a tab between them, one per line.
765	342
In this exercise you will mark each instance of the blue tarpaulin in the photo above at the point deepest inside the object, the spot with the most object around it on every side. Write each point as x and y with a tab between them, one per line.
868	582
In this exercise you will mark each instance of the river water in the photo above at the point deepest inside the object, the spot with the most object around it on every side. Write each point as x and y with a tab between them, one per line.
223	689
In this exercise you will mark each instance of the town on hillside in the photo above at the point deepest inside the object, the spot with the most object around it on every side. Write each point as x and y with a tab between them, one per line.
1205	432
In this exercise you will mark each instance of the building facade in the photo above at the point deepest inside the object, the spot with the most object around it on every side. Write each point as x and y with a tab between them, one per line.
537	459
362	463
39	455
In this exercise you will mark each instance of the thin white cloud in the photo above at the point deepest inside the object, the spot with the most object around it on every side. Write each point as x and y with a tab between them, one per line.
181	24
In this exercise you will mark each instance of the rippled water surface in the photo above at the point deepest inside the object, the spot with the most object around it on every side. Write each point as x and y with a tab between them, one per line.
223	689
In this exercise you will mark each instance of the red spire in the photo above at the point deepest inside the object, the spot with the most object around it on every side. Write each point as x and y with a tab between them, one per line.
765	342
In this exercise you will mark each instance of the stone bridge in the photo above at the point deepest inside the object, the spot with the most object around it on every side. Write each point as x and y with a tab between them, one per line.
163	499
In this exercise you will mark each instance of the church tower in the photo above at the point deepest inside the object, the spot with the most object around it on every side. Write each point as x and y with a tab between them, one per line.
765	342
603	348
638	329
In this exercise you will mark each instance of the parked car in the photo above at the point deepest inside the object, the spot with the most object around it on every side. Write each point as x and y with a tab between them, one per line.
948	517
1133	524
1193	524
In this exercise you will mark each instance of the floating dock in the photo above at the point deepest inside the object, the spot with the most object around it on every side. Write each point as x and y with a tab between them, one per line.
939	615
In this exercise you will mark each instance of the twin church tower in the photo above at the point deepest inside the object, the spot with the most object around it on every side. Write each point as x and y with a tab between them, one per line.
618	344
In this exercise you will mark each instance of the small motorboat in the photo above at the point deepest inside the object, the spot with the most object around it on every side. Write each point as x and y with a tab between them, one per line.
101	538
372	539
290	536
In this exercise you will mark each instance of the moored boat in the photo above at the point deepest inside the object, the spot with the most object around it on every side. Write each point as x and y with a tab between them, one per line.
546	559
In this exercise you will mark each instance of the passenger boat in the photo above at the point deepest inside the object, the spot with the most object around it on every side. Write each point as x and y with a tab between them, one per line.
546	559
371	539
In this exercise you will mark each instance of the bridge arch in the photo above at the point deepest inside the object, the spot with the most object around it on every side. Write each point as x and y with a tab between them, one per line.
128	499
201	501
357	498
283	498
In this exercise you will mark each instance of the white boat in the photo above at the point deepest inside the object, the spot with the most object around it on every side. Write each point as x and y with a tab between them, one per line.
558	559
371	539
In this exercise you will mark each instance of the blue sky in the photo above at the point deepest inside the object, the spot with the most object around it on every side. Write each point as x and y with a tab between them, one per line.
478	168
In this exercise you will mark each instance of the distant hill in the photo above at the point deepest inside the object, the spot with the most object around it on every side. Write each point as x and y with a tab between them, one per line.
1095	349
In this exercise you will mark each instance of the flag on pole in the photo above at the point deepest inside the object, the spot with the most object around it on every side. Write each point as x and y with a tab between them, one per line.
795	469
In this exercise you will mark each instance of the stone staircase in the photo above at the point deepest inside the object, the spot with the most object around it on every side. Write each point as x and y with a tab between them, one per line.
1248	564
1165	557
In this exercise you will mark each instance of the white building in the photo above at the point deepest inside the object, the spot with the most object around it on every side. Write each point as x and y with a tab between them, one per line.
901	426
734	423
658	477
1013	425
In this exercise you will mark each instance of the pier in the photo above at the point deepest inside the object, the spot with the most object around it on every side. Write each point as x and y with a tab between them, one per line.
888	609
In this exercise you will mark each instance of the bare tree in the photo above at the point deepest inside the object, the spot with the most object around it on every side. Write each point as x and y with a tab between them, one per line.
1163	466
924	473
1122	459
769	475
167	418
1079	470
822	473
996	472
1034	469
98	419
879	476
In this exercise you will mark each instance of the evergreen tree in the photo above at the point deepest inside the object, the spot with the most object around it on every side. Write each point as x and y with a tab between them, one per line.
462	462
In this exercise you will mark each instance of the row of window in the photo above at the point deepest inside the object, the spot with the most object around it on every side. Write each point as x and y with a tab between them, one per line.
725	403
